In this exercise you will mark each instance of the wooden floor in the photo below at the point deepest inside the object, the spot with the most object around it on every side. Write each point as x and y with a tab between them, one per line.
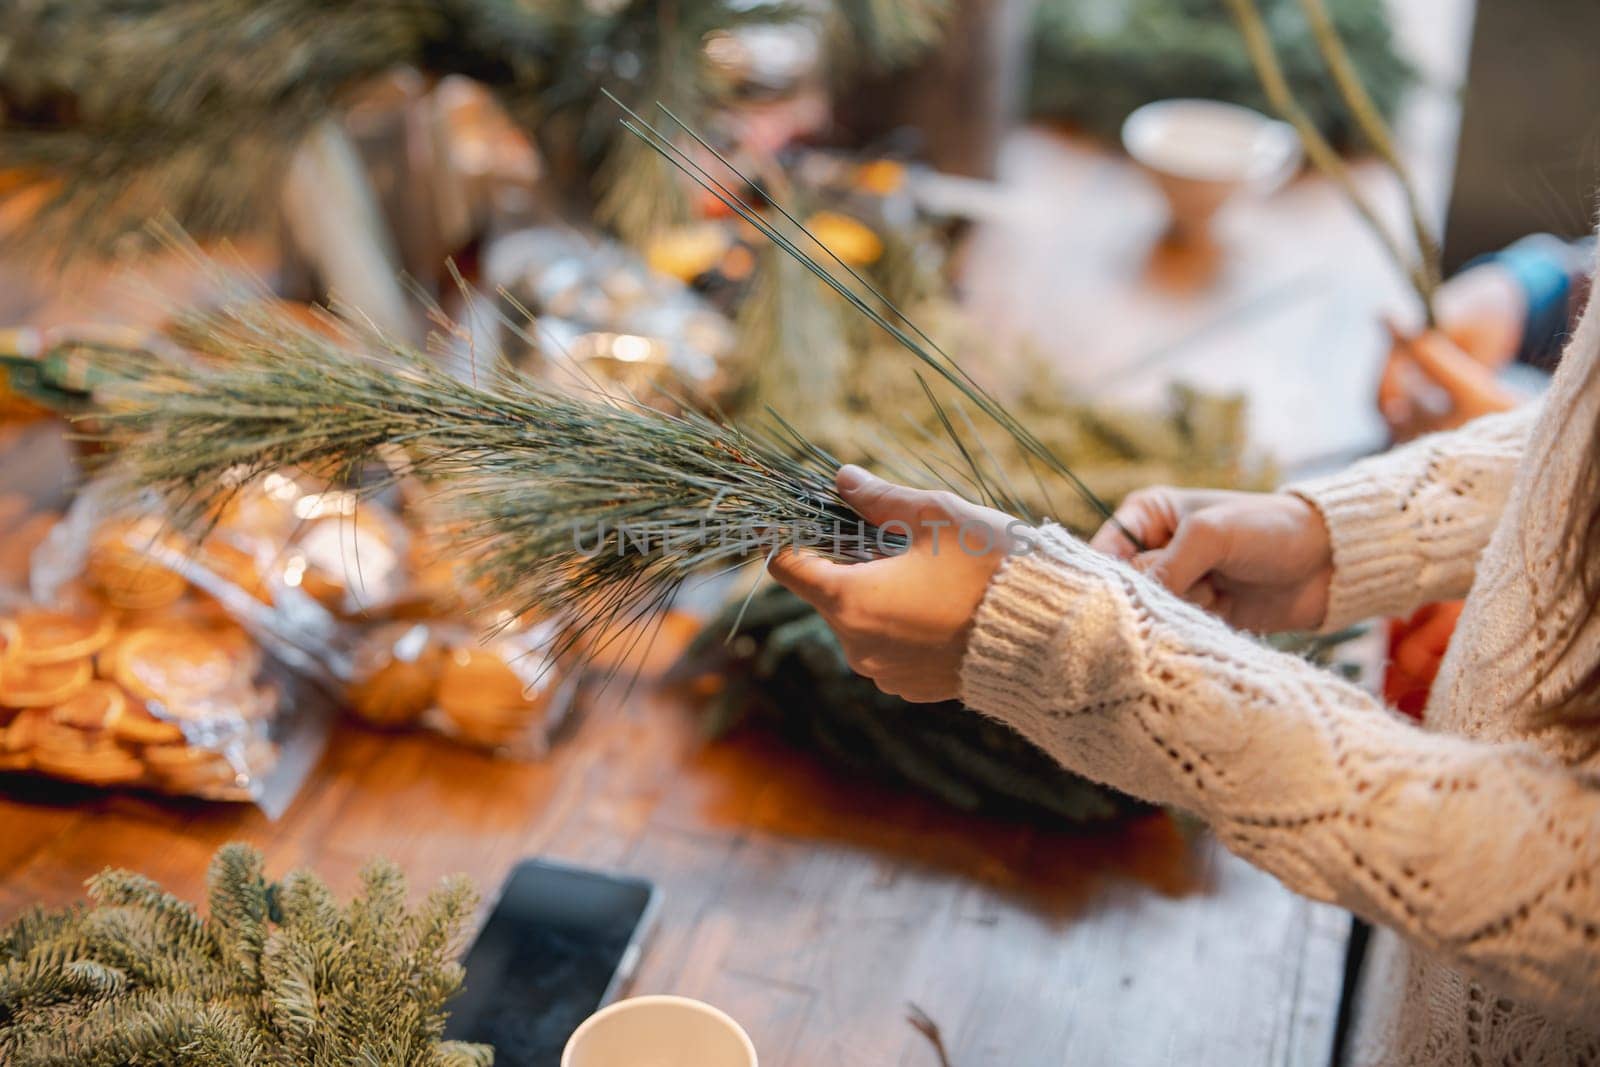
813	908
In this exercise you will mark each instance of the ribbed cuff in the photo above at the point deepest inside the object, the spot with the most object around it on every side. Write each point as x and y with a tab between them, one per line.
1041	604
1376	565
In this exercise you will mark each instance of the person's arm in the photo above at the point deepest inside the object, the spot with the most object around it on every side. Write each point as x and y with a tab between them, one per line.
1407	526
1486	854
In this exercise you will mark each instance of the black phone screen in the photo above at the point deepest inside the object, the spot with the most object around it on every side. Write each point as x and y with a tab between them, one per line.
555	949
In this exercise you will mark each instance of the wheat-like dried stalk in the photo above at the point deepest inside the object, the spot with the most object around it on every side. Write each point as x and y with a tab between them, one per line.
1421	268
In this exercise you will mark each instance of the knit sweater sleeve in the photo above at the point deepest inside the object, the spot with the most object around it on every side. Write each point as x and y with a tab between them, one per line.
1408	526
1486	854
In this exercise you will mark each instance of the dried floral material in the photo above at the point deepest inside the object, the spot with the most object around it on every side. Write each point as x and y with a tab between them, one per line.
780	225
1419	263
192	106
275	974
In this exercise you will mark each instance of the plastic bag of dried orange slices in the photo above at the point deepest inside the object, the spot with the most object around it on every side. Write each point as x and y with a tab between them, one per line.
424	662
505	693
129	658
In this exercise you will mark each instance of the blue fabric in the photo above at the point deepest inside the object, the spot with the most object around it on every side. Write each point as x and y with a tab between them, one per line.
1540	265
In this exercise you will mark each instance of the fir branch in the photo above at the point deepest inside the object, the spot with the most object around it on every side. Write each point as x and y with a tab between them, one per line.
120	983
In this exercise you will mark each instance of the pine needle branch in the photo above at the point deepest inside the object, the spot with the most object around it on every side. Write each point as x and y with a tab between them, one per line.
900	327
579	507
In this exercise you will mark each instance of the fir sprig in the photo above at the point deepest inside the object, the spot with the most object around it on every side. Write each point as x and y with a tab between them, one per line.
275	975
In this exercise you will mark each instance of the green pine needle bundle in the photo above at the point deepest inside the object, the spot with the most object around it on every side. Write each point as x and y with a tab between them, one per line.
276	974
574	505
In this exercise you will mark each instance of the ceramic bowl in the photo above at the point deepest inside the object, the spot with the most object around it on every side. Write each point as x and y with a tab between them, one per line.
1203	153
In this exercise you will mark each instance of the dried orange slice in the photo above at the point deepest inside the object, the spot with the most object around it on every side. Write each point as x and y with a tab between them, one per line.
42	685
107	764
138	726
396	672
235	703
236	566
394	695
36	636
179	665
121	568
182	769
94	707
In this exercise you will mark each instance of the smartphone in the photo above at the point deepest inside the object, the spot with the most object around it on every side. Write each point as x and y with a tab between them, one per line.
561	943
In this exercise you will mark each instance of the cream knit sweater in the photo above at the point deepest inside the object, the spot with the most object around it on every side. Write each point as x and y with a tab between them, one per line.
1474	843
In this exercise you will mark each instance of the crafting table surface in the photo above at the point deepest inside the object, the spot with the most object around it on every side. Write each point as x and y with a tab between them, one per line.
811	907
814	908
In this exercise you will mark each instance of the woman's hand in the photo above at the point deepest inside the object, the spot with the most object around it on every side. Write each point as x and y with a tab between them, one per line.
904	620
1261	561
1430	384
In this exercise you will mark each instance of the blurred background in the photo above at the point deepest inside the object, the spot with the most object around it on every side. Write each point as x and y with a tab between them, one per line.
968	152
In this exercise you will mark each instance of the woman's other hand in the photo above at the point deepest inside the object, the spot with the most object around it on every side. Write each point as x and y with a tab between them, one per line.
903	621
1430	384
1261	561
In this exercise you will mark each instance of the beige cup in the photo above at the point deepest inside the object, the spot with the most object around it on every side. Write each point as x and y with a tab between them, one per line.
659	1032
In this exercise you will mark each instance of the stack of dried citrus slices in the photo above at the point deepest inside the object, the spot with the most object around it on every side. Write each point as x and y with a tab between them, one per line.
167	704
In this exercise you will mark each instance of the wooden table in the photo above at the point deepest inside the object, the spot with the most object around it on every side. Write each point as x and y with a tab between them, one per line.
811	907
815	908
